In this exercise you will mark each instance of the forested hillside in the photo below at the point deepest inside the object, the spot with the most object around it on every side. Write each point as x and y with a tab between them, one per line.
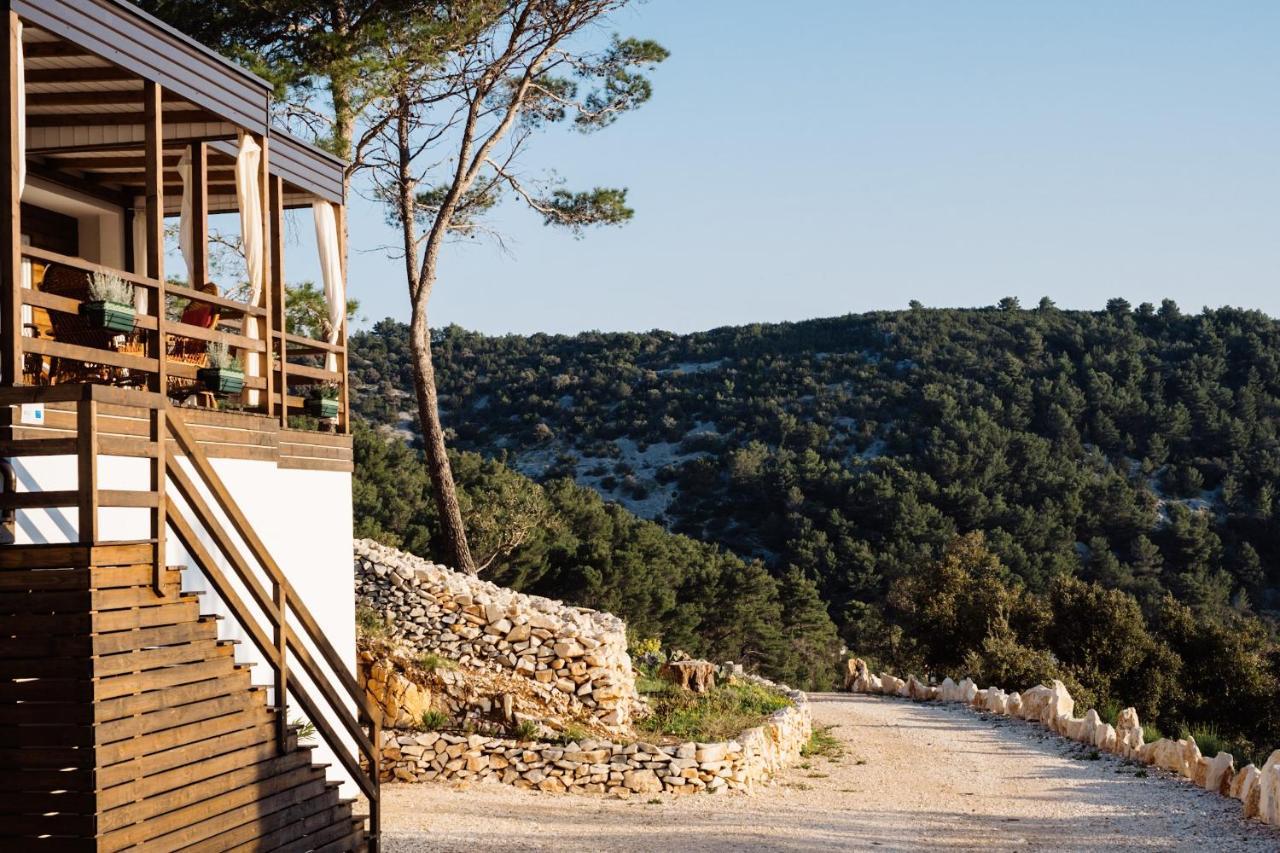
1089	493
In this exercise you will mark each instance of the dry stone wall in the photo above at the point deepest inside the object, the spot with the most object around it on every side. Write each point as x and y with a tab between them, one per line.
604	767
1053	707
577	658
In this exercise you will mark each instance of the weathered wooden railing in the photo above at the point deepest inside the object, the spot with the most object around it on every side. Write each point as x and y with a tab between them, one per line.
291	363
195	524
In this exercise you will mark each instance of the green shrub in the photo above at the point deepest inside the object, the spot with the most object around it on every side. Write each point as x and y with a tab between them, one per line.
572	734
370	624
1150	734
719	714
433	720
306	728
430	661
527	730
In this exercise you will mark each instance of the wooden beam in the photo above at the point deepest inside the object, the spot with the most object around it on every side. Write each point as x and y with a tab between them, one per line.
344	422
118	119
55	49
11	231
153	146
104	74
87	458
275	224
132	97
268	267
199	214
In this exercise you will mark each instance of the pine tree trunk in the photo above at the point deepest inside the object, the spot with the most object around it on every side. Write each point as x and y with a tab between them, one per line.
424	375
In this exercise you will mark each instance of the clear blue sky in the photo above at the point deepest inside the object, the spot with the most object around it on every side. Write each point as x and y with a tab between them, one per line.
815	158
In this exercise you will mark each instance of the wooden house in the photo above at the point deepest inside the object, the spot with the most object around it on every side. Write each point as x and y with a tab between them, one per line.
164	522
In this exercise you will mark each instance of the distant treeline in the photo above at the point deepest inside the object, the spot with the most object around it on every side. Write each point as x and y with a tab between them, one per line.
1126	457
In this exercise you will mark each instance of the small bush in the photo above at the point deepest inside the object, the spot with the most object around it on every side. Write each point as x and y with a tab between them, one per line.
370	624
1150	734
572	734
527	730
718	714
107	287
306	728
430	661
1207	738
433	720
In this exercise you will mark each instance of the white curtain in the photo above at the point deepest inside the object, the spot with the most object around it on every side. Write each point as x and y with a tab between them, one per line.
249	200
186	231
335	290
139	237
20	63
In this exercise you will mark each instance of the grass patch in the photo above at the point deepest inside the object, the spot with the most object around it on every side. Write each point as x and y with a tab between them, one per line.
306	728
527	730
430	661
433	720
719	714
370	624
1150	734
823	743
572	734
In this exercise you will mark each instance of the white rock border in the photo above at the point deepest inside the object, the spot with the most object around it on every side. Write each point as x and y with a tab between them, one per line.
1053	707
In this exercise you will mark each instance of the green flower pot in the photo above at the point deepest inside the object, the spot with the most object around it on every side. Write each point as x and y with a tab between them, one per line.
112	316
322	407
222	380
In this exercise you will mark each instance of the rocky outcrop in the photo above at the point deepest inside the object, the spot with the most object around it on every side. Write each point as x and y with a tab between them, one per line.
573	651
604	767
1052	706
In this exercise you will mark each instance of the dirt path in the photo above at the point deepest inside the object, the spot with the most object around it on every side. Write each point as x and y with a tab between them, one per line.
914	777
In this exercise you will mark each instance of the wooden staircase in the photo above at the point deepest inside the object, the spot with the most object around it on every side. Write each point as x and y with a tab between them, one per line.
125	723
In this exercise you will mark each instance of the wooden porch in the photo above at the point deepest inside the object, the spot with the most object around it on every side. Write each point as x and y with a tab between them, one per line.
102	121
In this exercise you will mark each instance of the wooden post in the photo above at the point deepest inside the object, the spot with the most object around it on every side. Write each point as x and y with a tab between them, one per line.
275	225
87	464
153	134
344	416
282	669
199	214
268	270
11	232
160	513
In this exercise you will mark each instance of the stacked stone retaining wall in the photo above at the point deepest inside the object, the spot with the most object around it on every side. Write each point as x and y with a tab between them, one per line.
577	653
604	767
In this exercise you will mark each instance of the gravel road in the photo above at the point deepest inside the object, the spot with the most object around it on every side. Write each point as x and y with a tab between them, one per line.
913	777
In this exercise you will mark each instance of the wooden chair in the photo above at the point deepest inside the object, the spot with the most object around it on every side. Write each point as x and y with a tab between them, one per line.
67	328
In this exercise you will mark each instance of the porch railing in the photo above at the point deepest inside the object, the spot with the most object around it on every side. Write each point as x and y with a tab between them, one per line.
293	363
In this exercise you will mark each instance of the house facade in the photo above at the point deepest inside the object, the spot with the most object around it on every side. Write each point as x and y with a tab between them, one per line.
176	596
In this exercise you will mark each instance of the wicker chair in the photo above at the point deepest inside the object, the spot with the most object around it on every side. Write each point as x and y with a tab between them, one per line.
67	328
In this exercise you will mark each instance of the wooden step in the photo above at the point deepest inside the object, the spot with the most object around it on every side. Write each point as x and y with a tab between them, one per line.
263	746
227	811
203	789
143	766
179	736
309	828
280	812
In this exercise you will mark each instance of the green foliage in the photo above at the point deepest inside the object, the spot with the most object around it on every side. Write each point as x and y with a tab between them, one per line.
573	546
370	624
432	662
306	311
433	720
718	714
526	730
305	728
572	734
823	743
1119	465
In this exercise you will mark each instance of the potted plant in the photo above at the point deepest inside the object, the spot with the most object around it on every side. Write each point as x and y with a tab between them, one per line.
224	375
322	401
110	303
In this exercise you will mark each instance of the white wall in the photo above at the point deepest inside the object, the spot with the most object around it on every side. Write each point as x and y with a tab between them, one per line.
303	518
